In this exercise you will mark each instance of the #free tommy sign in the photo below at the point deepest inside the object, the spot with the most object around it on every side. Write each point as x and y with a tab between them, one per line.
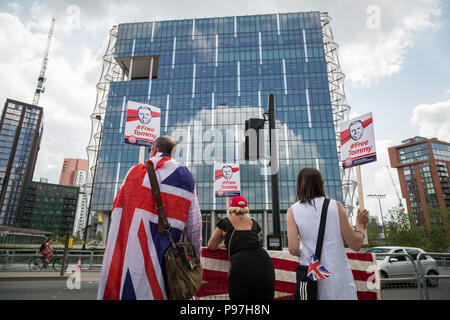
227	180
143	124
358	141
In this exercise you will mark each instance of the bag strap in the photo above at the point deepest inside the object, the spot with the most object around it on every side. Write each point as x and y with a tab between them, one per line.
163	223
323	220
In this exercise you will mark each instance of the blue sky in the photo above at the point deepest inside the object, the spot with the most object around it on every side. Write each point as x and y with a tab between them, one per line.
399	71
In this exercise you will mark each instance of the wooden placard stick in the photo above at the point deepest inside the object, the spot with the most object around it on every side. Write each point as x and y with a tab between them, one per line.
361	198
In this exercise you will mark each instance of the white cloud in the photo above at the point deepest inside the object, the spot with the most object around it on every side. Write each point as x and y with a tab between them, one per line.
15	7
367	55
433	120
67	101
375	54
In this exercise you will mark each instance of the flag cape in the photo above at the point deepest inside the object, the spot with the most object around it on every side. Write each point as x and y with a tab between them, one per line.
133	266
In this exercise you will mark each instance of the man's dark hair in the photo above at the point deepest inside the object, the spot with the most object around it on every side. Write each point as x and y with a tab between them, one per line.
164	144
309	185
355	122
227	166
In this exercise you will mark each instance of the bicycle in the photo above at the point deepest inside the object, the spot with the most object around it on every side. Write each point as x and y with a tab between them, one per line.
36	263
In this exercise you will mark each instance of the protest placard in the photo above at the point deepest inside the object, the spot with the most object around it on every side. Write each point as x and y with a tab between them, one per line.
143	124
357	141
227	182
358	148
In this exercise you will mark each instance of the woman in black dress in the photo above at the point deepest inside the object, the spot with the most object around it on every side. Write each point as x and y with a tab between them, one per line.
252	275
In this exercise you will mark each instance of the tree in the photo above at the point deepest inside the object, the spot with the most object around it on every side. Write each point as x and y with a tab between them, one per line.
374	234
438	241
99	236
401	232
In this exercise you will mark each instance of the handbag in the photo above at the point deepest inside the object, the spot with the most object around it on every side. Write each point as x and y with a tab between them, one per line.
306	289
183	268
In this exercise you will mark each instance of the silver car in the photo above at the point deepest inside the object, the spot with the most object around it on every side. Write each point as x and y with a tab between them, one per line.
401	266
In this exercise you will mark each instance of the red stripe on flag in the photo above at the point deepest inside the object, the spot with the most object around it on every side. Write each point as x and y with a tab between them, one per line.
366	295
360	256
286	265
176	207
359	275
284	286
114	279
149	268
211	289
220	254
215	276
112	286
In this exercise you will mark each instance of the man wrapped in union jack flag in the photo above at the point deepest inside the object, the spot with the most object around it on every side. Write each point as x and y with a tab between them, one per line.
133	265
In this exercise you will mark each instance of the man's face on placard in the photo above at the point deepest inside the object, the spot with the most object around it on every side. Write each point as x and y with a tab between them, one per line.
356	130
227	172
144	115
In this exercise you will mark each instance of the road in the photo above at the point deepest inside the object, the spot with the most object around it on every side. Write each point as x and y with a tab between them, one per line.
404	291
47	290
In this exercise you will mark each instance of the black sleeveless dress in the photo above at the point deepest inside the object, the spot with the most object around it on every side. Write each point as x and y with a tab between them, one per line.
252	273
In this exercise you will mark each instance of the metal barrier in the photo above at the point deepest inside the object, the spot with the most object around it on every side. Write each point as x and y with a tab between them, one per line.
435	283
400	287
19	258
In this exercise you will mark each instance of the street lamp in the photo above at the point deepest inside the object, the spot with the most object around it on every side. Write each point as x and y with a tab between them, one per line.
380	196
99	118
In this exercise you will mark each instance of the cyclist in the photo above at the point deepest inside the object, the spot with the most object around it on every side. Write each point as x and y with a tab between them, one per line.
47	251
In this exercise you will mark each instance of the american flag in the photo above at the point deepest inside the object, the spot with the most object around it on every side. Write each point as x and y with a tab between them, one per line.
215	271
316	270
133	265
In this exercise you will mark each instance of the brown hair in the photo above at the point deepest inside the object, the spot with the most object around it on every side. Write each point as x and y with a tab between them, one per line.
309	185
165	144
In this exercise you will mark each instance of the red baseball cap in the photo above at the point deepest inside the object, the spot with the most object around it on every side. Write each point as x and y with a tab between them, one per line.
238	201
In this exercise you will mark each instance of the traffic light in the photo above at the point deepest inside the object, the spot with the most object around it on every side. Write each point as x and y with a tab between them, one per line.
254	139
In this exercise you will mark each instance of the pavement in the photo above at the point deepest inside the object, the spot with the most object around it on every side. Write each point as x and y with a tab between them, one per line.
92	276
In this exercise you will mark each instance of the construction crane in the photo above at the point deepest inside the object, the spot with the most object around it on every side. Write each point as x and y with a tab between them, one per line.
400	204
40	85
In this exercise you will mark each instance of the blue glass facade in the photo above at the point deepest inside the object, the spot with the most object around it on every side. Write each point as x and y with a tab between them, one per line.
212	75
20	134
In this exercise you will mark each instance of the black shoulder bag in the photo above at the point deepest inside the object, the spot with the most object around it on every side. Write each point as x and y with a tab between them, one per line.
183	268
306	288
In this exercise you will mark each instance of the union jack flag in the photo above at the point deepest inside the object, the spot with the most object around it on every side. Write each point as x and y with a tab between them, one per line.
316	270
133	265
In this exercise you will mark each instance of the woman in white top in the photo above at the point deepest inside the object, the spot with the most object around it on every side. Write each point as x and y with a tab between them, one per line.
303	219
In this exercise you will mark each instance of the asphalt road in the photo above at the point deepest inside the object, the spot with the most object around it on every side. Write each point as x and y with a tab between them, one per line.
47	290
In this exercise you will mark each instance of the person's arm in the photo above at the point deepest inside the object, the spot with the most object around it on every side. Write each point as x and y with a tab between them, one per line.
353	239
215	240
292	234
194	225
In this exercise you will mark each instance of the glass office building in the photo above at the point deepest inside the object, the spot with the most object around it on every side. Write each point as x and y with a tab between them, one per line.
208	76
20	135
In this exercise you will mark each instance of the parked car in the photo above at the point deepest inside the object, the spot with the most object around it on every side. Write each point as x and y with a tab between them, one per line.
402	267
